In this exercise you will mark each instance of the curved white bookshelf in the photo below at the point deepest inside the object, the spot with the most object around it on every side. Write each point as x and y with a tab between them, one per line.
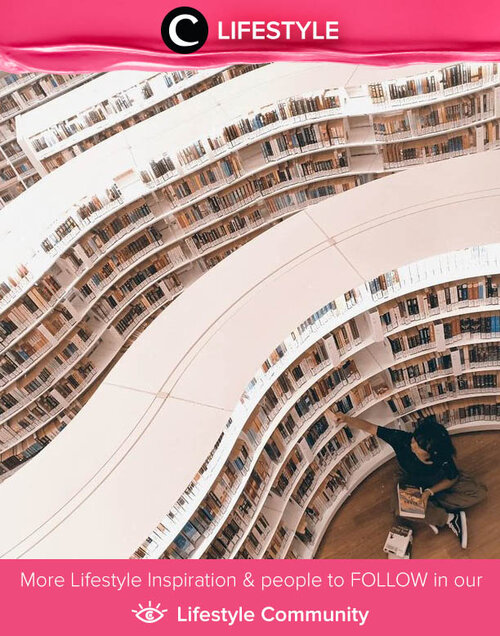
180	380
258	79
115	200
111	103
453	396
20	94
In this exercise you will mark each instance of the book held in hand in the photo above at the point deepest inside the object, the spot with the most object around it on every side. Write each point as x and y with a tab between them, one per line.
411	503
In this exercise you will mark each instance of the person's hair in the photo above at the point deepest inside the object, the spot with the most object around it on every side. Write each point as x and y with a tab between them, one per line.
435	439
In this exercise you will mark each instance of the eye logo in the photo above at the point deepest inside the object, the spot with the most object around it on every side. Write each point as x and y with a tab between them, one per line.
149	614
184	30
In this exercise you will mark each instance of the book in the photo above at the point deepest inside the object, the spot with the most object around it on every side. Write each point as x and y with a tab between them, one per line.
410	502
398	542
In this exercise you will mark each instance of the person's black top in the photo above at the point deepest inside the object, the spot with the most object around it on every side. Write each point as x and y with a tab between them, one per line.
416	473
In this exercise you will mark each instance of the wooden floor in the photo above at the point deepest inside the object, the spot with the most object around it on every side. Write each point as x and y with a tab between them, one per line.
360	528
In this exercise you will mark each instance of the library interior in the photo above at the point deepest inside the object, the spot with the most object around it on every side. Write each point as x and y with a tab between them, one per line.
210	277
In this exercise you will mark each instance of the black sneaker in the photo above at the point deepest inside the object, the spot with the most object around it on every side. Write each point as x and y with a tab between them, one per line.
458	525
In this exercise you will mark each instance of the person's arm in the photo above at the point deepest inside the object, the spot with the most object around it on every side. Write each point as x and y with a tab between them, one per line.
444	484
356	422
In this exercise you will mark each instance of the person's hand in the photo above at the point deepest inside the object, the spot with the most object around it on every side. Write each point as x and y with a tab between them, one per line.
425	497
340	418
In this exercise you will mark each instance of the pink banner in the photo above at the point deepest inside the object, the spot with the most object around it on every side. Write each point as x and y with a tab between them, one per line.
59	36
264	597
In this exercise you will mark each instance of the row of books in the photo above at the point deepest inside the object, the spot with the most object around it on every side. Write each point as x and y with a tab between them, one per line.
200	241
304	139
12	79
468	357
146	302
321	463
415	371
415	339
280	487
96	203
192	153
486	354
12	149
155	86
7	174
323	390
59	158
290	468
456	111
310	363
371	390
458	412
335	482
89	206
214	502
216	257
320	164
39	379
119	260
438	299
32	92
396	155
328	492
49	404
305	367
9	105
99	112
380	286
68	228
303	106
491	134
363	394
291	422
11	459
482	325
37	299
437	390
436	116
255	539
31	446
24	353
483	381
454	330
458	75
398	125
14	361
82	213
212	176
276	545
233	527
236	199
316	432
97	242
143	274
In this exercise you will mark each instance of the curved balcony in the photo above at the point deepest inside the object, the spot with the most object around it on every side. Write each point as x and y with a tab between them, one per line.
165	406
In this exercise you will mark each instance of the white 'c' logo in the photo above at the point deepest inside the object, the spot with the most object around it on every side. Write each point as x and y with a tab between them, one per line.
172	29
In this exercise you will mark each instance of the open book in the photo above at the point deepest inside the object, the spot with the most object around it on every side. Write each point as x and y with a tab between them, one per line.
410	502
